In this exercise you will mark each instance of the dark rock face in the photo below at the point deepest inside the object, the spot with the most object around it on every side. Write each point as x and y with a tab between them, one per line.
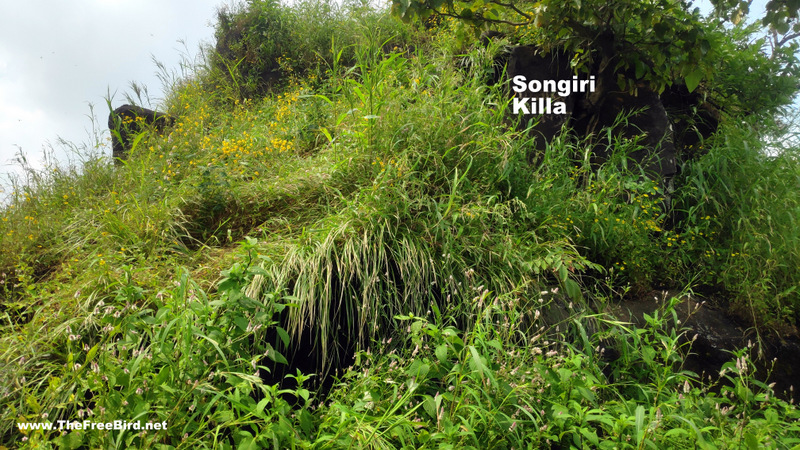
127	121
589	112
713	336
649	123
693	118
527	62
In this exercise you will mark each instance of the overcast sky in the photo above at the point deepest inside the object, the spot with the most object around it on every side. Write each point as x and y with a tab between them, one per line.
58	56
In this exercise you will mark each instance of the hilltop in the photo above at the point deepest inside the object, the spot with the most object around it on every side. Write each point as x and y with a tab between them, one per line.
345	241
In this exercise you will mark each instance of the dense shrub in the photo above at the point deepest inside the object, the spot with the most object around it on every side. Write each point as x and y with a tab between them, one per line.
261	43
739	207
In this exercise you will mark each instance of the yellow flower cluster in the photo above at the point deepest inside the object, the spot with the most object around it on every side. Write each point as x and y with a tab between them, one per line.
283	111
23	218
390	169
280	145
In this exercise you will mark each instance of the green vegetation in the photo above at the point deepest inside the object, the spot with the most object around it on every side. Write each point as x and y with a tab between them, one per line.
661	43
373	196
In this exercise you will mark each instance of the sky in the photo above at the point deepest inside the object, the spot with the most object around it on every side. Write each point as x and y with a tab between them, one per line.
57	57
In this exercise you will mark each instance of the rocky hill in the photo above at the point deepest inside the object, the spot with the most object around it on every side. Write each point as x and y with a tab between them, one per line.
343	237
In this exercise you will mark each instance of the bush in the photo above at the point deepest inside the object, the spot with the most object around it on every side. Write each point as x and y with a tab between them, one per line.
740	203
262	43
252	40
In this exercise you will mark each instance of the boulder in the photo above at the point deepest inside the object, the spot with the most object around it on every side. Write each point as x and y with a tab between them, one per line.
710	337
694	119
529	62
589	111
127	121
646	121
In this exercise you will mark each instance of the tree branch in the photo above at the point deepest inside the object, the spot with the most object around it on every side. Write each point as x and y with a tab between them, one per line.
786	39
513	7
482	19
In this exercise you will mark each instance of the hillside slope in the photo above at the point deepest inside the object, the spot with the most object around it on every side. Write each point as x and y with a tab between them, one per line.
363	256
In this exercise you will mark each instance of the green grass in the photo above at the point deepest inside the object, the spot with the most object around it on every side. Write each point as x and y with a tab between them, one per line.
380	197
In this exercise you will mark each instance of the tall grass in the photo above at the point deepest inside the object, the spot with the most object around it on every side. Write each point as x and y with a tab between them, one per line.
744	202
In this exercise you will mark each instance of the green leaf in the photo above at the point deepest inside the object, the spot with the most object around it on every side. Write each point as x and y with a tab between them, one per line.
563	273
283	335
259	410
705	46
71	440
641	68
418	369
678	432
304	393
247	441
693	79
591	436
782	27
430	405
751	441
241	322
33	404
441	353
639	423
327	134
476	362
492	13
162	376
573	289
275	355
661	29
92	353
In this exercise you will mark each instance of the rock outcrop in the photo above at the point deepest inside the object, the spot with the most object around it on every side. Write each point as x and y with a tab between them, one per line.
669	127
127	121
588	113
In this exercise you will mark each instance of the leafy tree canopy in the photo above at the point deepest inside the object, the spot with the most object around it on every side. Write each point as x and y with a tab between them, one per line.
779	15
661	42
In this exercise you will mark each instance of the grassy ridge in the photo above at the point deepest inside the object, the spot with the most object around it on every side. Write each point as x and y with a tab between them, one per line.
378	200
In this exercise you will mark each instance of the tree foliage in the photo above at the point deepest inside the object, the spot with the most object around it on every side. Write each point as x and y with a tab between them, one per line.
660	42
657	40
779	15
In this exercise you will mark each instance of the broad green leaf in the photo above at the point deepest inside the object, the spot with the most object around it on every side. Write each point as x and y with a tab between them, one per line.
751	441
693	79
441	353
705	46
283	335
639	423
92	353
563	273
573	289
641	68
476	362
